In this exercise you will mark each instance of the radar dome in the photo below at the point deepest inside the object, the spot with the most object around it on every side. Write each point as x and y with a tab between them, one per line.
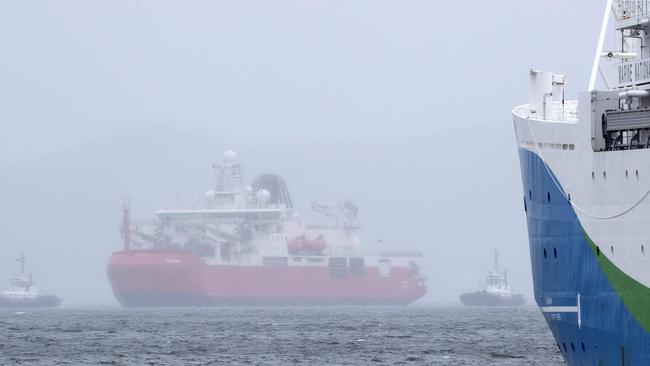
263	196
210	195
230	156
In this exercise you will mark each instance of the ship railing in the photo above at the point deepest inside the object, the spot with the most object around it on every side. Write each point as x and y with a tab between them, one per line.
566	112
626	10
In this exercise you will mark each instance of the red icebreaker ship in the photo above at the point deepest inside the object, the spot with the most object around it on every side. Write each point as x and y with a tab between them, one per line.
247	246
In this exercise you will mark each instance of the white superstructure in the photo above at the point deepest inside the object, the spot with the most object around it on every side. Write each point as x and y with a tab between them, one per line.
254	225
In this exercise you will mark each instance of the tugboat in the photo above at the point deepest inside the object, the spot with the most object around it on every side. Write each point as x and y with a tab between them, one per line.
23	294
496	292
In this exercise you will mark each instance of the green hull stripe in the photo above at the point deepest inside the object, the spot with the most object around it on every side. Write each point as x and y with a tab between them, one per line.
635	296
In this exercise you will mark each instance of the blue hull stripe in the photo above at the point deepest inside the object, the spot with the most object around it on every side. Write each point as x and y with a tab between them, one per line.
601	331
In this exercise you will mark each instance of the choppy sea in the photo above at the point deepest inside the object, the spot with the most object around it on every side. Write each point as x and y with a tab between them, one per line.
418	335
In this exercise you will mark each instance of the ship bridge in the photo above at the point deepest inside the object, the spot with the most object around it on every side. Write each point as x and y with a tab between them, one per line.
614	116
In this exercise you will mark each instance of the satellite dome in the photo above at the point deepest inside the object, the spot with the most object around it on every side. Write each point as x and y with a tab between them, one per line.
210	195
230	156
263	196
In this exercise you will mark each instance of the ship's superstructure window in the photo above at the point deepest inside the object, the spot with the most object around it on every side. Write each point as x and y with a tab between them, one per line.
547	145
626	175
593	177
544	253
582	345
642	250
636	173
604	176
611	248
554	252
548	197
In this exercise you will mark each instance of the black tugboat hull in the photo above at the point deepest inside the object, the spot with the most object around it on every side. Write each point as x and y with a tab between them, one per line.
484	298
47	301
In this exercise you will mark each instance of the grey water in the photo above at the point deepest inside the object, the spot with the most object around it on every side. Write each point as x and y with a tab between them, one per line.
418	335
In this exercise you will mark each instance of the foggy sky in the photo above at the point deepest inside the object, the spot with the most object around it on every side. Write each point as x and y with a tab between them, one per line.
403	107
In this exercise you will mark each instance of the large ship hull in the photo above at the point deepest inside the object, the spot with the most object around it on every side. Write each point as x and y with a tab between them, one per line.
598	314
167	278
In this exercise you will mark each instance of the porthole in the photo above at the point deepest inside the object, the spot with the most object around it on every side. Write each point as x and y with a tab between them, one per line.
573	348
525	205
544	253
548	197
554	253
582	345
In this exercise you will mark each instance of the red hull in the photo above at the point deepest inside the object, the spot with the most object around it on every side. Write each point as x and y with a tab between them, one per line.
164	278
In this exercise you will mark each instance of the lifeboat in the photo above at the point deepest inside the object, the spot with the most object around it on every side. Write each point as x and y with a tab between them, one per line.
302	245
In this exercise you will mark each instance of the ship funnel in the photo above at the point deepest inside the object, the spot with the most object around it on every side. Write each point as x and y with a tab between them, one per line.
277	188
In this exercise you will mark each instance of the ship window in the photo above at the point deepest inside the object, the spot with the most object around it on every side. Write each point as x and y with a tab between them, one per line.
642	250
572	146
544	253
530	195
555	252
548	197
564	345
636	173
573	348
598	251
627	175
604	175
593	176
582	345
611	249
